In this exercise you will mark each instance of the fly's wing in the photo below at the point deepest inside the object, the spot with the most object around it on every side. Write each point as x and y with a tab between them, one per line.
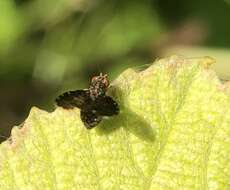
105	106
90	118
71	99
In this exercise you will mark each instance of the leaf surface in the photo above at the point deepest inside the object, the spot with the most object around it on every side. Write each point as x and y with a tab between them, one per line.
173	132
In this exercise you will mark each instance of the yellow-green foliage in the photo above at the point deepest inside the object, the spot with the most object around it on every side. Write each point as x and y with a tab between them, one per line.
173	132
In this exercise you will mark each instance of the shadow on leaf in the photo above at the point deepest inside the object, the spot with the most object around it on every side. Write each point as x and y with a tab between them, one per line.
127	119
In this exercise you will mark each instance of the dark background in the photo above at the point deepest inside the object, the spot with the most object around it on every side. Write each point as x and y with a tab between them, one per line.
50	46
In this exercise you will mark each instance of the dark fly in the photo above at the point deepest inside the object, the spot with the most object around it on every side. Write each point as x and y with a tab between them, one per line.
93	102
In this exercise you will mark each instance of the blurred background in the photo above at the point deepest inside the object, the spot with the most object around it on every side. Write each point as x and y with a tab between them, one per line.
50	46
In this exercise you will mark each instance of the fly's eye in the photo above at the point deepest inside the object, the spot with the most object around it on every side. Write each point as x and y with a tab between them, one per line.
95	78
106	82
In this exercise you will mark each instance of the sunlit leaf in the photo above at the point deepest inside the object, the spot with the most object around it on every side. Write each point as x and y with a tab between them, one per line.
172	133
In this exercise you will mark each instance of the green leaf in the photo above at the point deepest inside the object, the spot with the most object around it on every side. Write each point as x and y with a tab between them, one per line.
172	133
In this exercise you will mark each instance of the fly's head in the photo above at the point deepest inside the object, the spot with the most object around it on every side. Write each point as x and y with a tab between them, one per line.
98	86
